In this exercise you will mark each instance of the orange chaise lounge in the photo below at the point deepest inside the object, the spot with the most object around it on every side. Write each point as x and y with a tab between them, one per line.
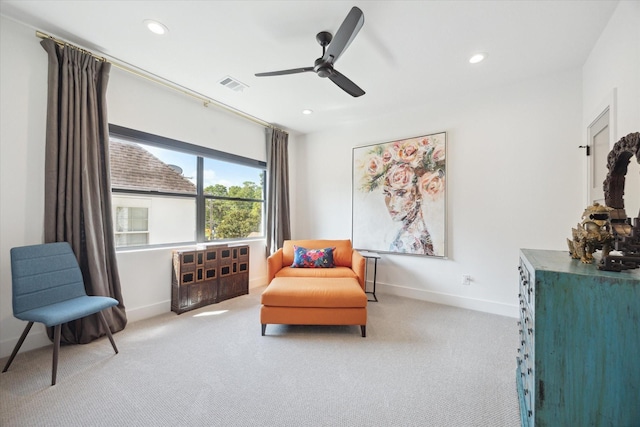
315	296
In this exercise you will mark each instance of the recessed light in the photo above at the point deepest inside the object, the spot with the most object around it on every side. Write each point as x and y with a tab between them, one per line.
307	112
478	57
156	27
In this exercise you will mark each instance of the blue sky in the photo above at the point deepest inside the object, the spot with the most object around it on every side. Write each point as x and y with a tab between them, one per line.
215	172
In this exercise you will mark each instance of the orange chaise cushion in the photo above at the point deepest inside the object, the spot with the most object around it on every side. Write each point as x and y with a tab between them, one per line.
314	292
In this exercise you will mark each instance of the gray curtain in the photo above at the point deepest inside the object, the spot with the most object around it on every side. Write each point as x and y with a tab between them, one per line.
77	180
278	220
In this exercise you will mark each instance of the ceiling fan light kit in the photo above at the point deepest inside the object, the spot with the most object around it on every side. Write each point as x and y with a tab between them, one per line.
332	48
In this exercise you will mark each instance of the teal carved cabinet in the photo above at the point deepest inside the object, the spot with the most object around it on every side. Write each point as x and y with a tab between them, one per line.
578	361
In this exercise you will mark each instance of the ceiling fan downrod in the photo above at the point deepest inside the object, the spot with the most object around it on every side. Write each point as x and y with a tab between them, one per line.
321	67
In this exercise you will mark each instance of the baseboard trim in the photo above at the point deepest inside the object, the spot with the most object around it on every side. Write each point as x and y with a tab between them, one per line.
449	299
258	282
148	311
156	309
37	338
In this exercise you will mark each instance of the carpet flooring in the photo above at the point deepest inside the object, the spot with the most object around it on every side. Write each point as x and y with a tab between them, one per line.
421	364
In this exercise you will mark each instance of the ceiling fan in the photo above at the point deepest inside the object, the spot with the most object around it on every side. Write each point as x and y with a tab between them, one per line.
323	66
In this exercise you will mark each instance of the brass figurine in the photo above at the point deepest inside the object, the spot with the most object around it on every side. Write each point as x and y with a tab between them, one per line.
593	233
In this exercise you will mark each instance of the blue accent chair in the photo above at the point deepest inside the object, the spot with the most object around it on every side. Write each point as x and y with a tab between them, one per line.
48	288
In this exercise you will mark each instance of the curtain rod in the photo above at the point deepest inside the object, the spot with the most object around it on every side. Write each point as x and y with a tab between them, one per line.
166	83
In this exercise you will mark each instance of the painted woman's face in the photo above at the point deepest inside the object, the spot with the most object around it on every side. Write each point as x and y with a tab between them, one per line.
400	192
401	202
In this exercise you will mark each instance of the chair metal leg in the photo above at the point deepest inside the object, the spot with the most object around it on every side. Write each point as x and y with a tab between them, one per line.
106	326
56	350
18	345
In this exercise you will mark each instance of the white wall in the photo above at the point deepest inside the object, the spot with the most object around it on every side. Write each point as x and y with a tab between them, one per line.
513	181
614	62
611	77
23	82
139	104
133	102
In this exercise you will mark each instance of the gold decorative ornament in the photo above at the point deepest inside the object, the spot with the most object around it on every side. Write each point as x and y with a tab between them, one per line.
593	233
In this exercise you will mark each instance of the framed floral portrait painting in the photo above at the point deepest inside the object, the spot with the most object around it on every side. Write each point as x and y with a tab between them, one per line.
399	196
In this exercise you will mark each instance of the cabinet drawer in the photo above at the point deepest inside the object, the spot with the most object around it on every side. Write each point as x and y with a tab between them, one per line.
527	285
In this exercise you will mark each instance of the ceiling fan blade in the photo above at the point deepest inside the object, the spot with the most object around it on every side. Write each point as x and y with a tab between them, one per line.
345	35
283	72
345	84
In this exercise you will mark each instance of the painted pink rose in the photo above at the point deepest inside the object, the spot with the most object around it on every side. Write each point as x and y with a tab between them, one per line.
432	183
409	152
374	165
424	142
438	153
387	157
400	175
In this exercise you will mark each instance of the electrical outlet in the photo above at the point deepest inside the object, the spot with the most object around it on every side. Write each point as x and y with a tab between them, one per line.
466	279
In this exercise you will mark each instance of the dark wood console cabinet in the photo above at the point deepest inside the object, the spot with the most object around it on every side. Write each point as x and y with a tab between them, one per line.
579	348
208	275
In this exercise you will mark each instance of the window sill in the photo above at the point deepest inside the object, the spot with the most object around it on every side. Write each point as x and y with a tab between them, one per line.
174	246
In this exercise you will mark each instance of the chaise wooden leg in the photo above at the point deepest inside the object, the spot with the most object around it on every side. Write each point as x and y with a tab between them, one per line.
363	328
106	326
18	345
264	328
56	349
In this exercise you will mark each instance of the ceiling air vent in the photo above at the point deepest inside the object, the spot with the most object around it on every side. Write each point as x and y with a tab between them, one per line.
233	84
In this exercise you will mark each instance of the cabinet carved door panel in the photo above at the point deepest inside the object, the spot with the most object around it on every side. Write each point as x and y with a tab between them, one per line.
207	276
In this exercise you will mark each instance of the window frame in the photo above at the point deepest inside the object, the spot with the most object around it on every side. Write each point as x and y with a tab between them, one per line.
136	136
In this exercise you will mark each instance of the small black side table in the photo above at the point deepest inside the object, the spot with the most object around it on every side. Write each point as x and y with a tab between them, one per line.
375	257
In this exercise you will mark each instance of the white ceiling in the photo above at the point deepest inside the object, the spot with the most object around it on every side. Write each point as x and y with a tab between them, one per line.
408	53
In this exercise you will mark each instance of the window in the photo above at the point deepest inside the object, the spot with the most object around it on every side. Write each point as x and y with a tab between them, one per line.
232	211
170	192
132	226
